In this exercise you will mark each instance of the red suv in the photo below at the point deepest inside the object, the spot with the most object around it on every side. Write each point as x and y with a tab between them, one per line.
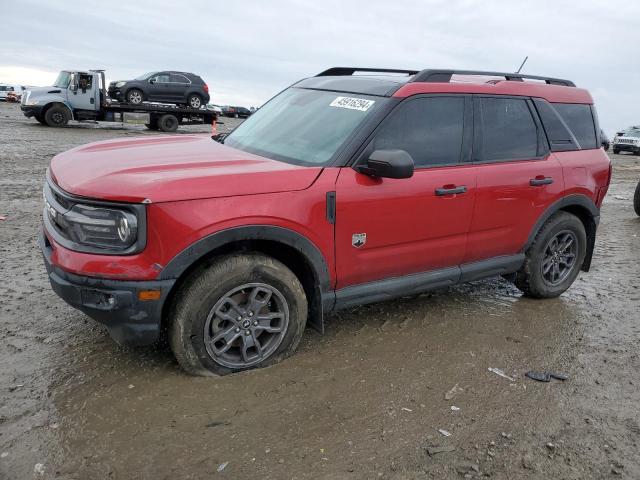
350	187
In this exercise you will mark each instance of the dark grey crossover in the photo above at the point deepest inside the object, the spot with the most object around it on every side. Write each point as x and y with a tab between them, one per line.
181	88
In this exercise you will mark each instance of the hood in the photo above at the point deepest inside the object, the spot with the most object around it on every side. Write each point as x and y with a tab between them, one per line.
172	168
44	90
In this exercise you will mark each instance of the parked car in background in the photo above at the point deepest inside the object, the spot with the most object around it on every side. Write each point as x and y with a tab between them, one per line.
180	88
627	140
604	140
6	89
342	190
215	108
237	112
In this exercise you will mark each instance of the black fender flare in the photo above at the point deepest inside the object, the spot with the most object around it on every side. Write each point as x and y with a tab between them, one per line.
566	203
198	250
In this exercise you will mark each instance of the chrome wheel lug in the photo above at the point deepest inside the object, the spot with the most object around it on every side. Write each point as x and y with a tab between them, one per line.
239	318
247	332
237	329
251	314
255	323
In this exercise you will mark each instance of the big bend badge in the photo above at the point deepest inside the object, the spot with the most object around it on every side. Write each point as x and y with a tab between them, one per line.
358	239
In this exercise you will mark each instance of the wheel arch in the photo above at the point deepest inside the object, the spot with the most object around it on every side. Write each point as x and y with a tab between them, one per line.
294	250
582	207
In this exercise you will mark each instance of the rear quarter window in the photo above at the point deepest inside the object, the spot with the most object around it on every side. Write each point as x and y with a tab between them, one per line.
579	119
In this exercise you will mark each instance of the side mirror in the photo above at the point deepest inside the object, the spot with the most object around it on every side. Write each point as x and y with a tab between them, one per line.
152	81
388	164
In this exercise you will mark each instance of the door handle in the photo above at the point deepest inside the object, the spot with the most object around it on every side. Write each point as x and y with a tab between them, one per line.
540	180
451	191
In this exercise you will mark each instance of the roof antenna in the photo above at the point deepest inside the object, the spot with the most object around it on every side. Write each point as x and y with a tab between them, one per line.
523	62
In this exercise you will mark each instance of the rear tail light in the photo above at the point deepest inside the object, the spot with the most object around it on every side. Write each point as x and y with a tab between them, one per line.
206	88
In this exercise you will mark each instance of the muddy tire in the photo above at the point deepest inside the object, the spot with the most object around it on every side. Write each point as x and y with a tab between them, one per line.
135	96
40	119
616	150
636	200
554	259
243	311
57	116
168	123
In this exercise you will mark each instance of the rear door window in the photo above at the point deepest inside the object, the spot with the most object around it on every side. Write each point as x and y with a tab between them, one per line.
509	131
579	119
176	78
430	129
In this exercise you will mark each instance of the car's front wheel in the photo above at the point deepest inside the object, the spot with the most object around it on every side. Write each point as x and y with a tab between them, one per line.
243	311
194	101
134	96
57	116
636	200
553	261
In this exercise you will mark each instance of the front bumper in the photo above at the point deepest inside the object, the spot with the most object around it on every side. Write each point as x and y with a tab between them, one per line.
626	147
31	110
115	94
114	303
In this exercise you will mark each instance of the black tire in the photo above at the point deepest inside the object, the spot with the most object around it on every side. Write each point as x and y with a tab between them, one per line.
636	200
616	150
235	115
194	101
168	123
57	116
40	119
135	96
530	279
190	314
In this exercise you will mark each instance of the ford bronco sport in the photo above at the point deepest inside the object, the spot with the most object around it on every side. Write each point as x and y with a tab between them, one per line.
350	187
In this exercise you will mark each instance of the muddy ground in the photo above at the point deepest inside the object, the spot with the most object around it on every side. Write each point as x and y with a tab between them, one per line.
363	401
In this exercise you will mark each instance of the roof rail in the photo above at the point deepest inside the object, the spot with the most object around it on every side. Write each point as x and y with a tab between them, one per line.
345	71
432	75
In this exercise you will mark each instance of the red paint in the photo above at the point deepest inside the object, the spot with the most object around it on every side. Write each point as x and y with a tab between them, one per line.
198	187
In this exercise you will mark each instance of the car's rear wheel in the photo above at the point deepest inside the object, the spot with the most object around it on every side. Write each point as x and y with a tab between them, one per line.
134	96
194	101
636	200
168	123
57	116
554	259
243	311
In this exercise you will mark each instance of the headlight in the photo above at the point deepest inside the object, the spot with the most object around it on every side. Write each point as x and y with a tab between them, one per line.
32	101
97	226
119	84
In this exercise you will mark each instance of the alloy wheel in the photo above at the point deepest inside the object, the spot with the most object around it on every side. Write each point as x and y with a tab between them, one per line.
135	97
559	258
246	326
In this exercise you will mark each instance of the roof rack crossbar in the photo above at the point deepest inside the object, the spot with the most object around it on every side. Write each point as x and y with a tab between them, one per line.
431	75
346	71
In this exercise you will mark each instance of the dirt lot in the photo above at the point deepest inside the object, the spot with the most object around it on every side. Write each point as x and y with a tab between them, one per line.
363	401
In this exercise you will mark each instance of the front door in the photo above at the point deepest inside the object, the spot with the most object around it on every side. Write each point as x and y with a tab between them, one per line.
393	227
82	91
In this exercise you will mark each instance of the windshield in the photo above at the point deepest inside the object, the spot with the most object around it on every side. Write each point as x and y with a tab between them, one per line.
631	132
63	80
304	127
145	76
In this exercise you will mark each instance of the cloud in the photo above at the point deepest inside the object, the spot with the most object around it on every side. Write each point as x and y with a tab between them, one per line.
248	51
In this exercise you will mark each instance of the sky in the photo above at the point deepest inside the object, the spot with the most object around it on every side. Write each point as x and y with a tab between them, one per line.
247	51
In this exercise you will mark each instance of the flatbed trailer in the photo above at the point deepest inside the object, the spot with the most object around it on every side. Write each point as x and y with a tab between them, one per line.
82	96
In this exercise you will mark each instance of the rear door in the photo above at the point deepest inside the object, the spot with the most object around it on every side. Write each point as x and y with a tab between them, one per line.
517	176
179	86
394	227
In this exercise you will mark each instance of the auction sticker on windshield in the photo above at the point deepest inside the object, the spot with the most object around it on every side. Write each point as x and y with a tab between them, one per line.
351	103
